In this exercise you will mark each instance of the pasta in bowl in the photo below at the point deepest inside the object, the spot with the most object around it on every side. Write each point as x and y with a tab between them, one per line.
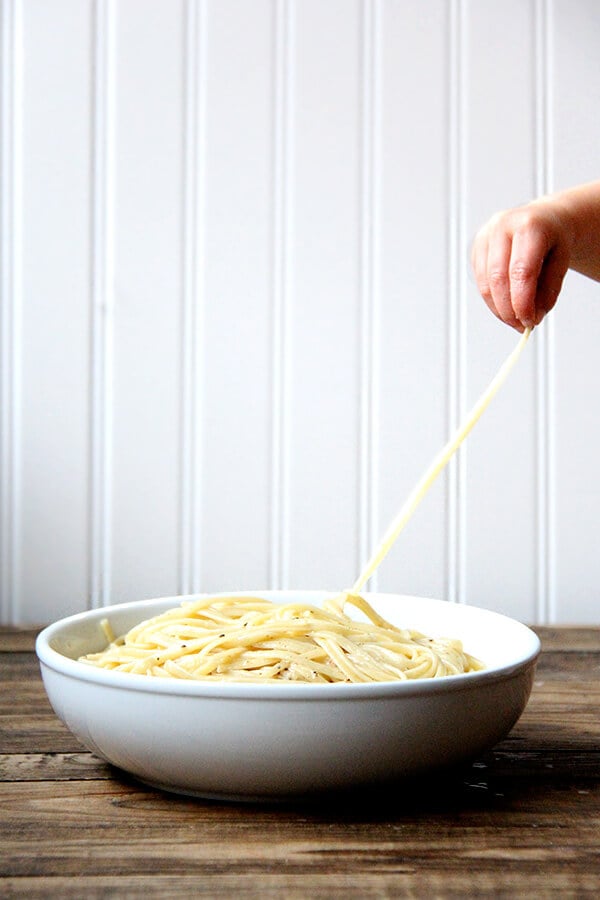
250	639
290	731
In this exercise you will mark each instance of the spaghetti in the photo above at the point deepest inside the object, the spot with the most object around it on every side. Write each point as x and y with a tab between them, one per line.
250	639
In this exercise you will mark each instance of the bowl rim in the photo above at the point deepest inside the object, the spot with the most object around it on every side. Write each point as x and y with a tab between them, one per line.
55	661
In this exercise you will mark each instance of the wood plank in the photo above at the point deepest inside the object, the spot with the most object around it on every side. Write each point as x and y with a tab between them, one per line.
303	849
575	665
45	733
52	540
519	756
52	767
18	666
69	807
504	884
29	695
566	639
149	837
17	639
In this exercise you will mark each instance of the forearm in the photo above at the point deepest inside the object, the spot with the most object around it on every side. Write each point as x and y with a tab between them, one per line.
579	207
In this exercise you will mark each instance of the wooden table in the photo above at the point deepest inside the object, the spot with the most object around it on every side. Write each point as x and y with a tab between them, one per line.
523	821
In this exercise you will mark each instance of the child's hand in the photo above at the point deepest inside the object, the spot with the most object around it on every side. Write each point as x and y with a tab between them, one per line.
520	258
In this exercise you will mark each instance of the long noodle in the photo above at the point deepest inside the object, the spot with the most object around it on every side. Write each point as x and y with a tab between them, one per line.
250	639
438	464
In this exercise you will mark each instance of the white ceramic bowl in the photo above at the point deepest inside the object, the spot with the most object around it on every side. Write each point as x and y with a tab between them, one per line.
248	741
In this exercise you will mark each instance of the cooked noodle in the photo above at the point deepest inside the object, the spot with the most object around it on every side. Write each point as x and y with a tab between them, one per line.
249	639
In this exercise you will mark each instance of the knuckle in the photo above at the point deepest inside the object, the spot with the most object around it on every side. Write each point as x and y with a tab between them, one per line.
530	218
526	219
497	279
523	270
500	219
510	220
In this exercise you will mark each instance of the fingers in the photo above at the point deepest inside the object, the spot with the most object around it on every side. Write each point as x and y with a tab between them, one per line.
479	264
528	251
500	278
520	259
490	259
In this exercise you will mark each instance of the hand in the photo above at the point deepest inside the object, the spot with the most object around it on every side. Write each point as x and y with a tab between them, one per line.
520	258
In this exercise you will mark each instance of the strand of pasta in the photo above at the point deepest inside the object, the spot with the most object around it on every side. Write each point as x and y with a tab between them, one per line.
439	463
251	639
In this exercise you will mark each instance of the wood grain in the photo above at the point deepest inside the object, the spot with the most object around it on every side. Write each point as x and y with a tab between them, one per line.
15	639
523	821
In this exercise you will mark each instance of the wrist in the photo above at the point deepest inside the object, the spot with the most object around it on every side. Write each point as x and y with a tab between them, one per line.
578	211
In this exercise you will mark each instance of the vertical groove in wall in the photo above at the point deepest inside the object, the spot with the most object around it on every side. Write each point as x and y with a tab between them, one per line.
282	150
457	344
190	574
550	375
10	298
102	299
545	599
368	321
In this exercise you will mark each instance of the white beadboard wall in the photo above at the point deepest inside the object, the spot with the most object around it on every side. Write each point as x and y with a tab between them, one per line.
237	319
